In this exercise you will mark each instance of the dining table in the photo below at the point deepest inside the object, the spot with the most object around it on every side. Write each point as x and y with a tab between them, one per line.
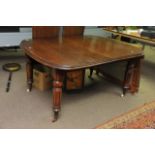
80	53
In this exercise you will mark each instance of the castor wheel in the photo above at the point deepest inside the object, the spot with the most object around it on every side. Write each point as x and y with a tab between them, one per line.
56	115
122	95
28	90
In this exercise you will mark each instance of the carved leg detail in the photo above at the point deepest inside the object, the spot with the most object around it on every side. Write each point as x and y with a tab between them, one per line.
57	92
29	70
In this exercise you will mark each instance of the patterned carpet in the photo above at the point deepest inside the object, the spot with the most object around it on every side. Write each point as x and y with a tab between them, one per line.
140	118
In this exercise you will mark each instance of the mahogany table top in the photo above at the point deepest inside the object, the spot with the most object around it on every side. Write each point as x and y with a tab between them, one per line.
78	52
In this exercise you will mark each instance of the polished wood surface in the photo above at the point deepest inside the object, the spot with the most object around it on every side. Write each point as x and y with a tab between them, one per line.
47	32
57	77
39	32
132	35
73	30
78	52
74	80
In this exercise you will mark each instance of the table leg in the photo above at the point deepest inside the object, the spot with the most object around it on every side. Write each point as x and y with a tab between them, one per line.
132	76
29	70
57	76
127	77
136	76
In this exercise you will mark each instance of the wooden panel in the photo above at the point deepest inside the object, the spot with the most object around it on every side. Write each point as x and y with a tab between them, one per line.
74	80
39	32
73	30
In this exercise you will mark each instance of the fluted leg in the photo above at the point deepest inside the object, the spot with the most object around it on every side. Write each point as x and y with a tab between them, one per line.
57	92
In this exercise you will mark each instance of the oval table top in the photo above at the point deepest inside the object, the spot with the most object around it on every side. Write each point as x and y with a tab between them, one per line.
78	52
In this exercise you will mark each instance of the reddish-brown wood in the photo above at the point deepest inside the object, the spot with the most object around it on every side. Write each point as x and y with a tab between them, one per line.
79	52
74	80
57	76
127	83
132	76
136	76
73	30
39	32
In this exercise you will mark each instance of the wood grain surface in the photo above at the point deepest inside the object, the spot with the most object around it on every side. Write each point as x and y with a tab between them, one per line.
78	51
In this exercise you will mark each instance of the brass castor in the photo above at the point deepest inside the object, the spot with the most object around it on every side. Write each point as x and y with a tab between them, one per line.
56	116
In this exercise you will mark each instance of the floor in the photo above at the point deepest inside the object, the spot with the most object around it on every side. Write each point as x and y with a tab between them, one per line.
98	102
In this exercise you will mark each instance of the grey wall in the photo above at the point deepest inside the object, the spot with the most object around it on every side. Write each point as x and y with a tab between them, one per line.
93	30
8	39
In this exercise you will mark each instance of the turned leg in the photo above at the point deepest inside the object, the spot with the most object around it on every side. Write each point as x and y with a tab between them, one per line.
29	70
132	76
57	76
136	76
